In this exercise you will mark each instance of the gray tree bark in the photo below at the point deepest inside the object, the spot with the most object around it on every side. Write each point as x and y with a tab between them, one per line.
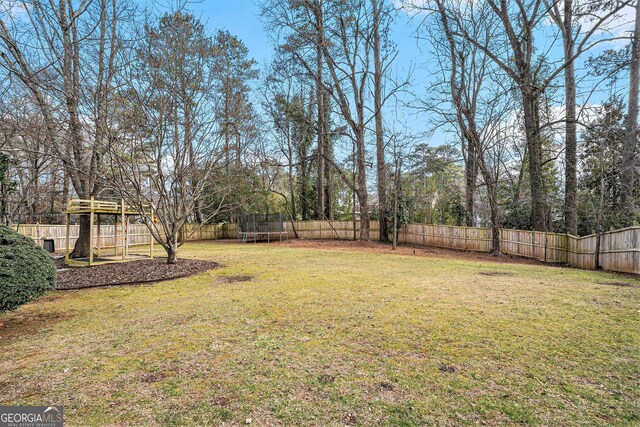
629	151
380	155
320	190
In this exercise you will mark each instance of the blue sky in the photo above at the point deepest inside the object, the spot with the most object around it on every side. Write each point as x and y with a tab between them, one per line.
239	17
242	18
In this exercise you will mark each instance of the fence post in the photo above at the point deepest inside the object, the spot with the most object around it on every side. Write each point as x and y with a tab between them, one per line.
115	235
91	232
151	238
466	236
124	230
66	244
636	255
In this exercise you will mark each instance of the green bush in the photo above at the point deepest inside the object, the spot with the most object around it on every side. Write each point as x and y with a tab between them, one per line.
26	270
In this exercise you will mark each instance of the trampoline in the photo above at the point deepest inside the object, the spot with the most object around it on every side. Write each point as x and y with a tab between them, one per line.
261	227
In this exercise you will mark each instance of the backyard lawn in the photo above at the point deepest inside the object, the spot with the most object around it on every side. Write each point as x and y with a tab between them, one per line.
293	335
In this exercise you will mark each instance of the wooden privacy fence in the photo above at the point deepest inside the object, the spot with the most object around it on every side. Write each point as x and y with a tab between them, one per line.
619	249
138	233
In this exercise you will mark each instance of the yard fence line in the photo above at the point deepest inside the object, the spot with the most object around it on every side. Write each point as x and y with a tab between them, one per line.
619	249
138	233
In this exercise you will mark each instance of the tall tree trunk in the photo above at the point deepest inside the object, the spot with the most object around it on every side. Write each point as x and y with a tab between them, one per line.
321	111
65	188
534	148
172	250
304	203
71	80
83	245
492	194
292	185
227	159
380	158
362	185
394	237
630	147
471	174
495	220
328	151
571	144
238	160
600	215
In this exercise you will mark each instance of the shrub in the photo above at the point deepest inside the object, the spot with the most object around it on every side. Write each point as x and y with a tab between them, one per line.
26	270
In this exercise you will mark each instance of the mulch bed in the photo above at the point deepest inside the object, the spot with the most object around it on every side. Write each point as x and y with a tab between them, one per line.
128	273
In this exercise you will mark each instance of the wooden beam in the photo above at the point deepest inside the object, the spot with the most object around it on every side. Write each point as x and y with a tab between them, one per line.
151	239
91	234
98	238
115	235
66	252
124	231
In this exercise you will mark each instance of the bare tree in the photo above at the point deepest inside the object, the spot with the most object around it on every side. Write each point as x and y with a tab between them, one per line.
166	148
383	56
629	151
234	72
317	9
65	55
478	115
570	17
565	21
348	62
512	27
347	24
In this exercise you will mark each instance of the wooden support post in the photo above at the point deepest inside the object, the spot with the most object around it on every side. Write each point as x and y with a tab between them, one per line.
98	238
124	230
91	234
66	252
115	235
126	226
151	239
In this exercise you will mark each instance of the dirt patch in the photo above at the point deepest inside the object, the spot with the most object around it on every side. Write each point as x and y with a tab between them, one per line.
221	401
620	284
385	248
130	273
152	377
446	368
495	273
31	323
386	386
350	420
234	279
326	379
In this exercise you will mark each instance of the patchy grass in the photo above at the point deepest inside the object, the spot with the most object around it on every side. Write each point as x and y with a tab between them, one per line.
334	337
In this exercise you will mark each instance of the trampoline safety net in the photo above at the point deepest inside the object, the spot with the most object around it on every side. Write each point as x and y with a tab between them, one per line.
254	227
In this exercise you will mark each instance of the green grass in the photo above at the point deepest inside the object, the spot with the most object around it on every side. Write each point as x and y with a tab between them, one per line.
332	337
